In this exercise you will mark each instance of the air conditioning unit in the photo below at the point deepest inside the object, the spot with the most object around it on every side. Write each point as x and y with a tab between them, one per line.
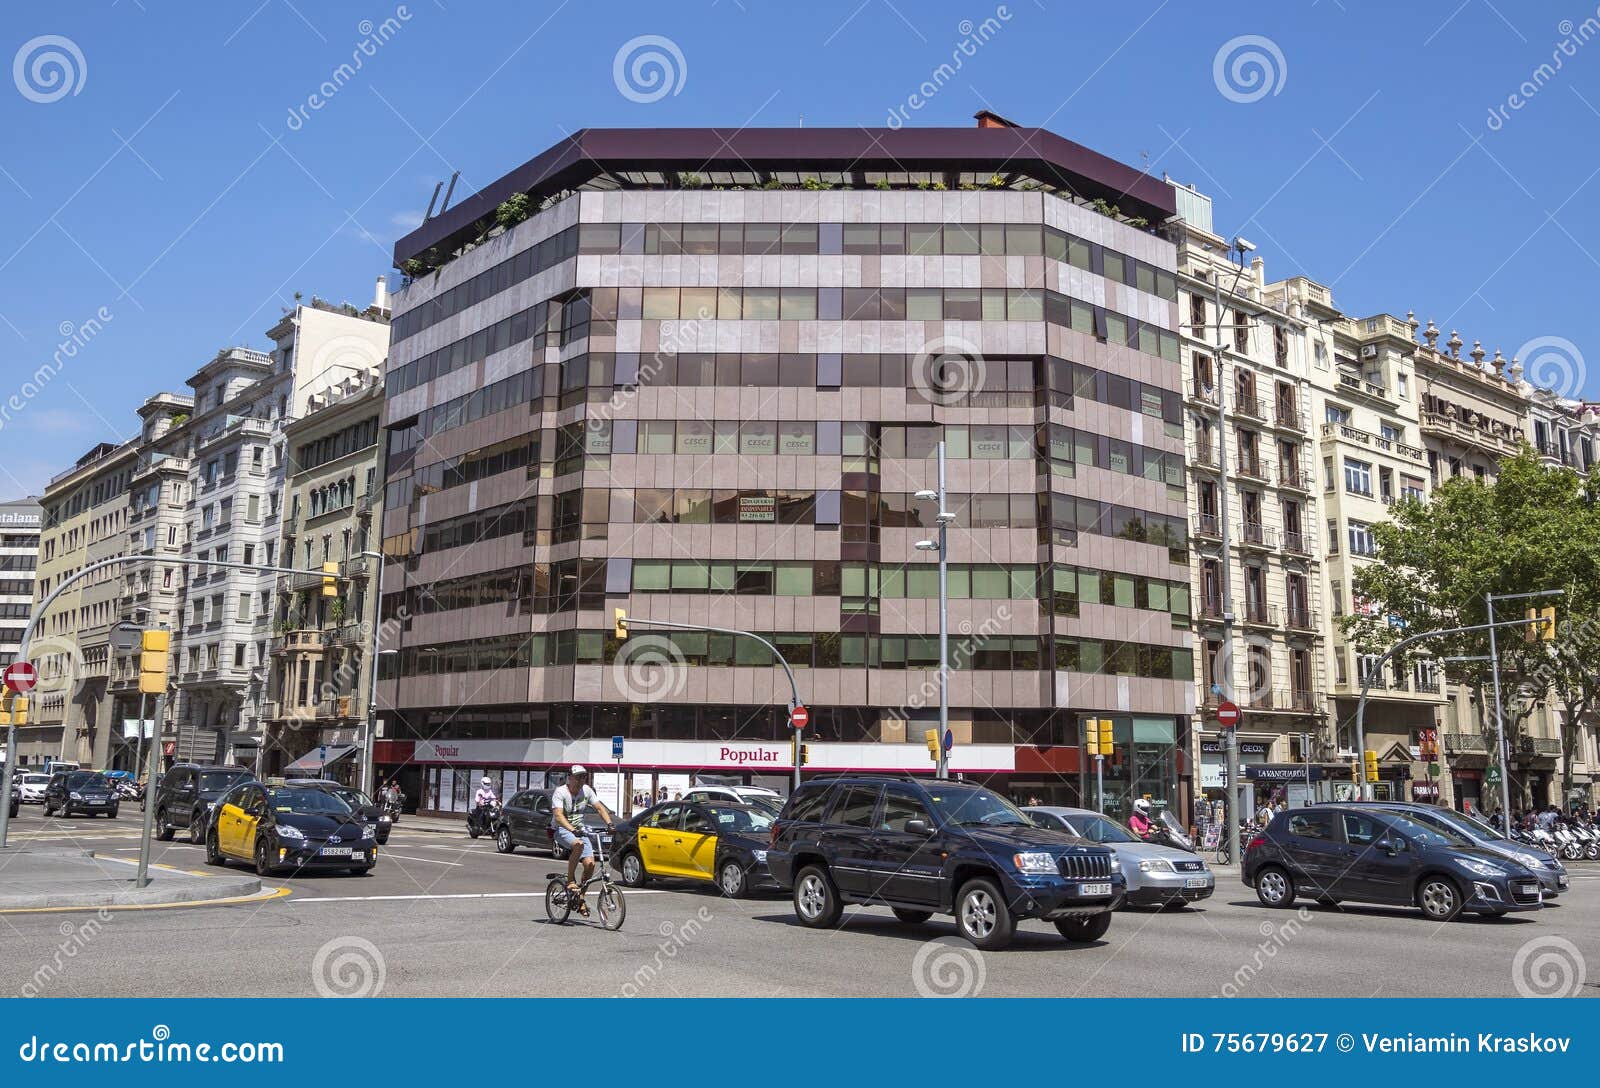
1369	351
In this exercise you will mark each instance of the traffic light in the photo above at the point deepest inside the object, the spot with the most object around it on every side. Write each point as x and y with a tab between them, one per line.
153	662
1371	759
1097	736
1105	737
13	709
622	623
932	737
805	754
1355	770
330	579
1541	624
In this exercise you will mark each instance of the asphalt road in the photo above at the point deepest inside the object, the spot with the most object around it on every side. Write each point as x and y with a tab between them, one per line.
447	916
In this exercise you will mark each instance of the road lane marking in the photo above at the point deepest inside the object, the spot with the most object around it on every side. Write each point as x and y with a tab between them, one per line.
428	861
455	895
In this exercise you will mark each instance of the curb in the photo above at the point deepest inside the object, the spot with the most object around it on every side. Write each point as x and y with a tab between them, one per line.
206	889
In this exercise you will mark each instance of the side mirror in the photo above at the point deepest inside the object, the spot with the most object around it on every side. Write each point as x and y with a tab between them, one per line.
1388	846
918	827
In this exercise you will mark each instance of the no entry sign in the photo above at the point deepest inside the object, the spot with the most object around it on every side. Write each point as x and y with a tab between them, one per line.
799	717
21	677
1227	714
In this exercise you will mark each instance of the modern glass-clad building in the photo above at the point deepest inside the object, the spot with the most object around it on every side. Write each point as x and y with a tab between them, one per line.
700	375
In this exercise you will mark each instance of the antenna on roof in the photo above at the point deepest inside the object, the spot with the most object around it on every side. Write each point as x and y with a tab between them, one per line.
427	215
448	191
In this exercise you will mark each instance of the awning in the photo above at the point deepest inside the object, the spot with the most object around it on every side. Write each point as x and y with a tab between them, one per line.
320	757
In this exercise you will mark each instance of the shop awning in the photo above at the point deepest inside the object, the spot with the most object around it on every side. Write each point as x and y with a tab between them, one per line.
318	758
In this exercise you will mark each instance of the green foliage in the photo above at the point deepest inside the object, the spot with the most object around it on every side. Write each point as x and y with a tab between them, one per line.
881	183
691	181
814	183
413	268
513	210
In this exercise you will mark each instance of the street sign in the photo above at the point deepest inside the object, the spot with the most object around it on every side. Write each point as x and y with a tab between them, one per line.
126	637
21	677
616	747
949	740
1492	776
799	717
1227	714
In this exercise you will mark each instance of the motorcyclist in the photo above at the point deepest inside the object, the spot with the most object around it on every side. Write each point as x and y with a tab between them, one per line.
485	799
1139	822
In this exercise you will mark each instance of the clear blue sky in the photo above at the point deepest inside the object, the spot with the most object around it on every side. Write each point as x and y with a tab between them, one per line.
157	192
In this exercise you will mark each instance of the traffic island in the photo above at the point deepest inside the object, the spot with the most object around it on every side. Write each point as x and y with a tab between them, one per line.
35	878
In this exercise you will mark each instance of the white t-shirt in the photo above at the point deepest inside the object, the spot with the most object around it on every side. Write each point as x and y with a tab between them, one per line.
563	801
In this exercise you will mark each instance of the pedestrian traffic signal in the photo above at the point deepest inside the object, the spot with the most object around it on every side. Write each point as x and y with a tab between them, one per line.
622	623
932	737
1541	624
153	647
1371	759
330	579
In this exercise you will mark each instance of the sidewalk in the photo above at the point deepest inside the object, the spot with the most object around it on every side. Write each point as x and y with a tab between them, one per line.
50	878
433	825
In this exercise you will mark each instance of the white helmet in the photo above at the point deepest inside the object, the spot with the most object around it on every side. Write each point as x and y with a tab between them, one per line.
577	769
1141	806
486	780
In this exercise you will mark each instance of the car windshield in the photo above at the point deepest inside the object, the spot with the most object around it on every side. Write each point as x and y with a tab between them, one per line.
765	803
1098	829
353	798
1467	825
221	780
975	808
77	780
35	779
306	801
1429	835
728	818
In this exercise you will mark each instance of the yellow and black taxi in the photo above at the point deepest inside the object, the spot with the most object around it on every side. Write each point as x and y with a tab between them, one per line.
717	843
288	827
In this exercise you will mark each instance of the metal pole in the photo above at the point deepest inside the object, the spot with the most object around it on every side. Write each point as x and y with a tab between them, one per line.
1500	723
1100	784
370	727
149	802
1305	755
6	787
943	769
138	758
1230	737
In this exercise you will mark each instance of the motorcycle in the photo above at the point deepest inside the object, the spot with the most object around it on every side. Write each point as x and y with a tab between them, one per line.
391	806
1166	830
483	819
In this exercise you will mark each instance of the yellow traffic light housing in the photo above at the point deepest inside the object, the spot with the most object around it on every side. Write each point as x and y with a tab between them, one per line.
1371	759
13	709
931	736
1105	737
153	648
330	579
1541	626
1355	770
622	623
805	754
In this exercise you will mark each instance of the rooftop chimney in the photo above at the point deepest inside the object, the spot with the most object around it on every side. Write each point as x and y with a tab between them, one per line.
990	119
380	295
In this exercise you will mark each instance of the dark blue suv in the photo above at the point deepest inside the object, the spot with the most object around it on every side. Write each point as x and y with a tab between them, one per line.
926	847
1352	852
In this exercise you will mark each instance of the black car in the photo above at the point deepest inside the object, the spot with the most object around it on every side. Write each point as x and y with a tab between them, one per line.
288	827
186	794
1335	853
88	792
713	842
524	821
358	801
922	847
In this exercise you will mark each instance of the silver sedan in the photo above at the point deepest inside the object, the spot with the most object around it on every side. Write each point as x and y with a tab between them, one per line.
1155	874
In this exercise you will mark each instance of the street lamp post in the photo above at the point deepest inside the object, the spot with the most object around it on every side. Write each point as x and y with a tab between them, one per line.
370	726
1499	710
943	518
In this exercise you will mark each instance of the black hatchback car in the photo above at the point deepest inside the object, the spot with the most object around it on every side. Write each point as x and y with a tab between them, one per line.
373	814
714	842
524	821
925	847
288	827
1335	853
88	792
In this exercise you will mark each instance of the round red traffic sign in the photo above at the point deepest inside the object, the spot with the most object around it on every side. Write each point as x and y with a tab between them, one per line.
1227	714
21	677
799	717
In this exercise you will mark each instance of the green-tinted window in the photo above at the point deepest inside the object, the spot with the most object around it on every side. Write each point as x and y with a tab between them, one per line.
652	576
793	580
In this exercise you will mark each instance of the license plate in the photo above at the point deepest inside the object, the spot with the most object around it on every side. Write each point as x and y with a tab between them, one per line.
1195	882
1094	889
1528	889
335	851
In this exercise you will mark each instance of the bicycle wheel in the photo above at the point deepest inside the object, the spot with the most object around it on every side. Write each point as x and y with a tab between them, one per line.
613	907
556	903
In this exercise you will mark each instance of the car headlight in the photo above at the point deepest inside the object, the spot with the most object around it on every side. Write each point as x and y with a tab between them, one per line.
1156	865
1482	868
1034	862
370	831
1529	860
75	796
286	831
1116	863
759	855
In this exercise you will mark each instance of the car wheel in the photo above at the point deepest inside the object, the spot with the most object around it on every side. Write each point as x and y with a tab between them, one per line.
732	880
912	917
633	874
1274	887
502	840
197	826
47	810
163	829
383	838
264	866
982	915
816	900
1084	930
113	813
213	850
1439	898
